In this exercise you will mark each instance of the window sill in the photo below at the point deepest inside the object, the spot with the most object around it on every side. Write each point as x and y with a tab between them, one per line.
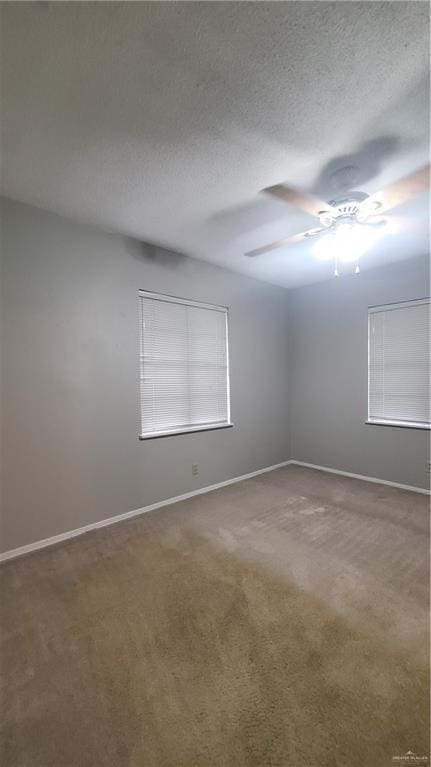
192	429
400	424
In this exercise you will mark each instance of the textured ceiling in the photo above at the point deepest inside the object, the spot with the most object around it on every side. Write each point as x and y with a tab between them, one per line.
164	120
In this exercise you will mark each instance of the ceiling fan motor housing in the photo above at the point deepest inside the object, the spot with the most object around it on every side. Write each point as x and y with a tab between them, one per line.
347	210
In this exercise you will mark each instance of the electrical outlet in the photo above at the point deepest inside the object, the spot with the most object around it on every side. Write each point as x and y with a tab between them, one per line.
195	469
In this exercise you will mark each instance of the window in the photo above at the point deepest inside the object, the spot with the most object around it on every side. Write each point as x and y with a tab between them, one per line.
184	366
399	364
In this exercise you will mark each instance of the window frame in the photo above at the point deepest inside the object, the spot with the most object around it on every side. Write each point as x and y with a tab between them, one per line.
228	424
394	423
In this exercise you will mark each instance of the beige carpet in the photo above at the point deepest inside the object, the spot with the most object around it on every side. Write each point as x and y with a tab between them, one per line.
280	622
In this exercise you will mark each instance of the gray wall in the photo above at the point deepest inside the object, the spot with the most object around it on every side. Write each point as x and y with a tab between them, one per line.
328	376
71	454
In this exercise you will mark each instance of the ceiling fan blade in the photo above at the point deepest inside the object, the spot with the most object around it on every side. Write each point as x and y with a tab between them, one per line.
285	241
307	202
375	221
403	224
400	191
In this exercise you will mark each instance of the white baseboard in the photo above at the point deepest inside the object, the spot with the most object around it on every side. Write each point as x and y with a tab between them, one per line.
200	491
361	476
129	514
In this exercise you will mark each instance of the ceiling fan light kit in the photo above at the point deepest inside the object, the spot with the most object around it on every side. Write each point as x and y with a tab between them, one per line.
345	241
348	225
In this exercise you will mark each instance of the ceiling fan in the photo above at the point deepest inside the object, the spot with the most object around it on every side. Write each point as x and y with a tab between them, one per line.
347	222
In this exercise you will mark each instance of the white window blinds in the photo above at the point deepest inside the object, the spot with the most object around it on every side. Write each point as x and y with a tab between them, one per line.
399	363
184	370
